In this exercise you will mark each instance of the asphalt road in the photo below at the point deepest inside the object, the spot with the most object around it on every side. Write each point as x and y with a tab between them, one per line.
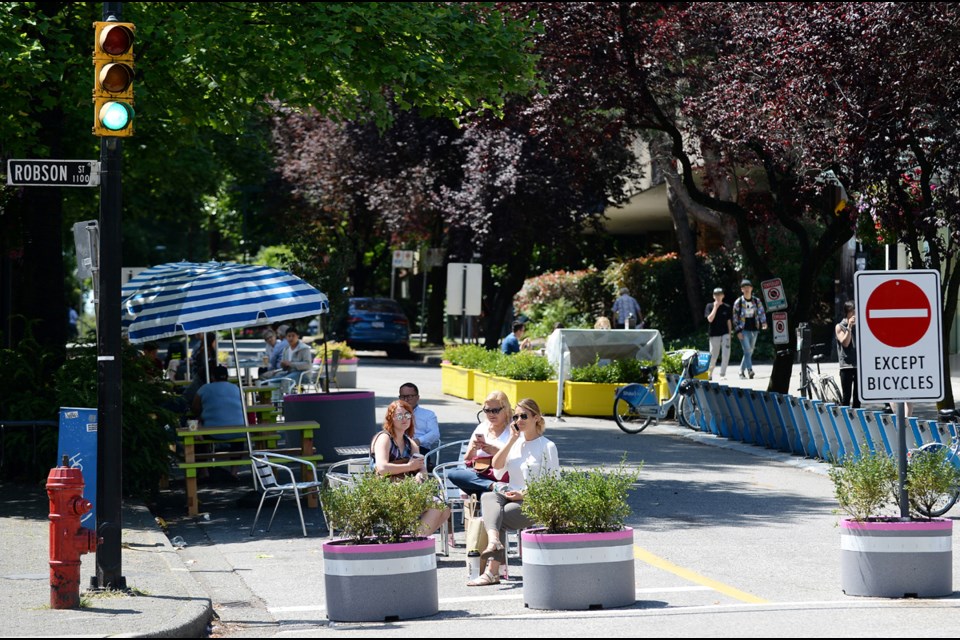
730	541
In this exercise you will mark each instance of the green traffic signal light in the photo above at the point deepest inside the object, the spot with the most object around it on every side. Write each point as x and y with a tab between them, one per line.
115	116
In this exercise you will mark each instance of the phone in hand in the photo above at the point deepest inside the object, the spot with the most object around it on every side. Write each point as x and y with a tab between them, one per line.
516	427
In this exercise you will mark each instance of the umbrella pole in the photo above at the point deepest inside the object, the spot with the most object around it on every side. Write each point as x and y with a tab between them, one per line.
243	403
326	361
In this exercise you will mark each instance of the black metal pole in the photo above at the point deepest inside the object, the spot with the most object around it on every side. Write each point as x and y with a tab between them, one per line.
109	397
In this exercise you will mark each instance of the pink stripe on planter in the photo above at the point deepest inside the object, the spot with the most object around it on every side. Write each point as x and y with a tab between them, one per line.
328	397
539	536
342	547
937	524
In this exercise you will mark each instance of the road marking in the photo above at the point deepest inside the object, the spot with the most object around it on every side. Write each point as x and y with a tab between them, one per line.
655	561
479	598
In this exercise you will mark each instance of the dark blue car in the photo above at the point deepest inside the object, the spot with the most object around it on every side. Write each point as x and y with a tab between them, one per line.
378	324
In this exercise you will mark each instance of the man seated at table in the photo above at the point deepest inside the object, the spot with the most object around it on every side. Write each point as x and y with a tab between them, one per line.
218	404
297	357
426	428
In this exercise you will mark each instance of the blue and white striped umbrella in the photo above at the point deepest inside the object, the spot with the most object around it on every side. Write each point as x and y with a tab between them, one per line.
187	297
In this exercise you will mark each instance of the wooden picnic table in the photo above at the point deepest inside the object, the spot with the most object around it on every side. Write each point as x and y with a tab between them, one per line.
191	463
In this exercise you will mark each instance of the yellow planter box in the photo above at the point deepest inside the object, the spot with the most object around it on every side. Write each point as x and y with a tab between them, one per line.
543	392
456	381
589	398
480	391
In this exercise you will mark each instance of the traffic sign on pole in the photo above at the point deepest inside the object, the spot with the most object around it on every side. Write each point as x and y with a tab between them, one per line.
780	333
774	294
899	340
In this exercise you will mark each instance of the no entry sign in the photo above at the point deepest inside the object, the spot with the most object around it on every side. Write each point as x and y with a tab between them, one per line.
899	341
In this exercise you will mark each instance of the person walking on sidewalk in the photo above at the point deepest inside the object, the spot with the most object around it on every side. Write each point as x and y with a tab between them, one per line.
720	317
749	317
846	332
626	311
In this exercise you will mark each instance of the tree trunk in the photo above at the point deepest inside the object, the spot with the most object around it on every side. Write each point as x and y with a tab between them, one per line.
687	245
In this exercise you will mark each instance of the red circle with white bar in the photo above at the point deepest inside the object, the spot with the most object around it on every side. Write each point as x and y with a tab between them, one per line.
898	313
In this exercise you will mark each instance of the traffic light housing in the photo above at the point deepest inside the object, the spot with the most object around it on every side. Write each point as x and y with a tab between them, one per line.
113	79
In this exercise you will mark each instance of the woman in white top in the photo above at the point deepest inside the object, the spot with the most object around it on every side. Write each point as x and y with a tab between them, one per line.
488	438
527	455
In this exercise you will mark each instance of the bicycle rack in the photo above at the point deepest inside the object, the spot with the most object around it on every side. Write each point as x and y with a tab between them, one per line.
709	421
790	424
888	423
736	410
715	397
870	421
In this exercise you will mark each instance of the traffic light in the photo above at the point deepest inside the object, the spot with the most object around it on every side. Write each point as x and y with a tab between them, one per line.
113	79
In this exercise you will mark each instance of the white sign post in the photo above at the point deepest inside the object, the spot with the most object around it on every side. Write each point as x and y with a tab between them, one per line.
464	292
899	346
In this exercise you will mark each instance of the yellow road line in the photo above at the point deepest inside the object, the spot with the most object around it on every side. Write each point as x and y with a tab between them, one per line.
645	556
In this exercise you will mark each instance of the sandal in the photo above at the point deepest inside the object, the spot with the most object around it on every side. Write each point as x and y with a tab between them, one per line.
486	579
493	547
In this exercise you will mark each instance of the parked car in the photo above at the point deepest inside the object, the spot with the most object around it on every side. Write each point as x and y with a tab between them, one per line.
375	324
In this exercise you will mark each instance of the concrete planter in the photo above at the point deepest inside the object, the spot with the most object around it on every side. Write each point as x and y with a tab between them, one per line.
456	381
347	373
380	582
896	559
578	570
589	398
544	392
346	418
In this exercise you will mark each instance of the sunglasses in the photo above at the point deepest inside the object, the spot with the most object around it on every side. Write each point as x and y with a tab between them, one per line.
520	416
408	396
402	416
495	411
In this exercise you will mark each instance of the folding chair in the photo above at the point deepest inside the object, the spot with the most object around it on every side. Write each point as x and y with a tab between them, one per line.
264	469
342	473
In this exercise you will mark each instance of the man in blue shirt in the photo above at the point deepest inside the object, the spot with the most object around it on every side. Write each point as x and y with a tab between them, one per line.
425	424
626	311
515	341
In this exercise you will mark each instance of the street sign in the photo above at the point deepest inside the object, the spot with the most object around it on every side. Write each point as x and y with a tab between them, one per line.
780	333
899	340
774	295
402	259
464	288
53	173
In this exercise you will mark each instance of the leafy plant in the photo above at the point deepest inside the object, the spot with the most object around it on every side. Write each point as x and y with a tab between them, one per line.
930	476
377	509
346	353
622	371
864	485
470	356
577	501
525	365
672	363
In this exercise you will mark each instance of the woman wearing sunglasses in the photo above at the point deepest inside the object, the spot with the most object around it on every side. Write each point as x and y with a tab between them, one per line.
487	439
394	452
527	455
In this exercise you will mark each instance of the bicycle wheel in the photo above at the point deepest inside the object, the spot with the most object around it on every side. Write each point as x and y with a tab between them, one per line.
627	414
689	415
944	501
829	390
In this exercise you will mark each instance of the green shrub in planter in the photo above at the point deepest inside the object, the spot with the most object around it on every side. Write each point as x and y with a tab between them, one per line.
622	371
577	501
867	487
672	363
525	365
377	509
468	356
596	373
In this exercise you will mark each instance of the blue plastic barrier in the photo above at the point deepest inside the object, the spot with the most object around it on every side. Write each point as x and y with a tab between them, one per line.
807	418
720	407
888	423
781	436
787	405
712	392
837	447
709	418
744	420
729	412
872	424
841	418
761	426
923	430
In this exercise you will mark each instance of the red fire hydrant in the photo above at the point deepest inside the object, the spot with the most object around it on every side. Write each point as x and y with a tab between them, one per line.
68	539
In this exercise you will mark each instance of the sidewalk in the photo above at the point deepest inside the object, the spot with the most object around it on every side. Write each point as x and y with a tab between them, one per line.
166	601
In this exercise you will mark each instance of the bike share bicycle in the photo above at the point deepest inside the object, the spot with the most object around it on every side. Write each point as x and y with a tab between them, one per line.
952	457
636	406
820	386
